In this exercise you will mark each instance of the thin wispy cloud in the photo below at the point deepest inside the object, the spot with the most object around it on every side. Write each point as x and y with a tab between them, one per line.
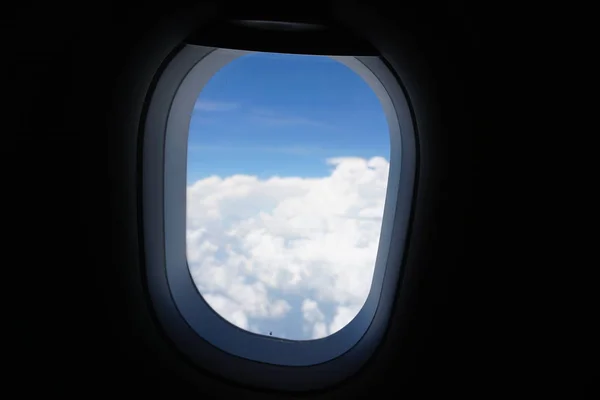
295	150
286	121
205	105
273	118
292	150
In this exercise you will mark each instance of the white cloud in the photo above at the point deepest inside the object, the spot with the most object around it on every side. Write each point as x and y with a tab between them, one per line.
314	319
228	309
319	330
311	311
255	245
343	316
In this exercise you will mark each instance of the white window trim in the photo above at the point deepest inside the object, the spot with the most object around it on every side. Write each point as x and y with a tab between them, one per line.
193	326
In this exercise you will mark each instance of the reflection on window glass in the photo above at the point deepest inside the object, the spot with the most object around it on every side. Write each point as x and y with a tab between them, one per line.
287	174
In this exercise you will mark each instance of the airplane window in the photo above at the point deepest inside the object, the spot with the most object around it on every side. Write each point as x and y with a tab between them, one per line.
274	186
287	173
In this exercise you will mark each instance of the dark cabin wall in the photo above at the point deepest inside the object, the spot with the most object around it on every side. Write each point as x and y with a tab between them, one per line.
64	66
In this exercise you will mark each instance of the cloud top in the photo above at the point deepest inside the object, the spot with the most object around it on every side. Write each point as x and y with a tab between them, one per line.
288	252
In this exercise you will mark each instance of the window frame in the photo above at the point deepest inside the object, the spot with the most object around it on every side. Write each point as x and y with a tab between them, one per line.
193	326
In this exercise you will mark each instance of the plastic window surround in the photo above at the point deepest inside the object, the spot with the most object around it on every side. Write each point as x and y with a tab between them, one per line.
197	330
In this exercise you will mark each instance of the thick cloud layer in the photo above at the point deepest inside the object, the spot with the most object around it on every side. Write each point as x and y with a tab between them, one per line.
257	246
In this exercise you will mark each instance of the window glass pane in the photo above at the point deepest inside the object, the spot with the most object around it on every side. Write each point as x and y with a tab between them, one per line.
287	175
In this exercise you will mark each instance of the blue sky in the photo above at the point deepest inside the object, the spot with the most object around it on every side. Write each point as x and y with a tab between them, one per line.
270	114
292	256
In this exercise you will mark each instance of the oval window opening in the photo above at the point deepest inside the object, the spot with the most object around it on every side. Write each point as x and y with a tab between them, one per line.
287	173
